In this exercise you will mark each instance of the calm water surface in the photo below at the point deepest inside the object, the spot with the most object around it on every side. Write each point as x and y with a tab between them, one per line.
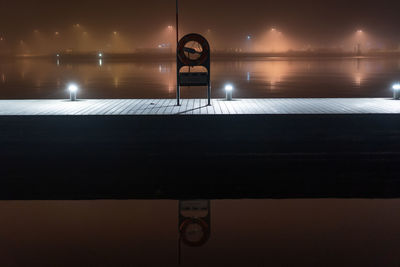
278	77
330	232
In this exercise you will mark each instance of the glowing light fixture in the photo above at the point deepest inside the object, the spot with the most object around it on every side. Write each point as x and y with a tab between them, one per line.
396	91
73	89
248	37
228	91
100	54
228	87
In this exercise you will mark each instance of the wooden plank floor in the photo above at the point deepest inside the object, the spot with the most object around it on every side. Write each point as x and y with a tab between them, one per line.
199	107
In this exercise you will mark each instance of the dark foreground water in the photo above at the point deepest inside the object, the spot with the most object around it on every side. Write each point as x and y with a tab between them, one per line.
292	232
273	77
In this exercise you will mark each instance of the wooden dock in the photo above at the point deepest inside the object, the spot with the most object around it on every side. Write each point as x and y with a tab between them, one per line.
57	149
199	106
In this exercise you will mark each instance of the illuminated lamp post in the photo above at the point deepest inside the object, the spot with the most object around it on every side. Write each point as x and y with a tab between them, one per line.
73	89
396	91
228	92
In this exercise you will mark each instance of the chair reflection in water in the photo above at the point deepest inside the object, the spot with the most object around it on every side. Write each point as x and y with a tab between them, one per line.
194	223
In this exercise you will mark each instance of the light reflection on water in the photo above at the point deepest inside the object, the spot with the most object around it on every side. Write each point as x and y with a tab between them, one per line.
292	232
277	77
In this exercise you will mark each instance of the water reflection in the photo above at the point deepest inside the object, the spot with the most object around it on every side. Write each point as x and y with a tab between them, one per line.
358	74
116	82
194	222
265	232
274	77
273	72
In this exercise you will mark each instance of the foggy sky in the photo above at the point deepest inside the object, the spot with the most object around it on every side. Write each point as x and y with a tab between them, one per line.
311	20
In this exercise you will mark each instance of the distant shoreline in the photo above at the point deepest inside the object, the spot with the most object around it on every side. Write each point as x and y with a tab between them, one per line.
143	56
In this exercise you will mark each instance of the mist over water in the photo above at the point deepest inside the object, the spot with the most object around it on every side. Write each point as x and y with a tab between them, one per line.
278	77
78	38
40	27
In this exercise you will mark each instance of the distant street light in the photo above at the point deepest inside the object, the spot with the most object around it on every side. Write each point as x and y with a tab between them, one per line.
100	55
358	45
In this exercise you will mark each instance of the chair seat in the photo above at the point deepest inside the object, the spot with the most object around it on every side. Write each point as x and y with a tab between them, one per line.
193	78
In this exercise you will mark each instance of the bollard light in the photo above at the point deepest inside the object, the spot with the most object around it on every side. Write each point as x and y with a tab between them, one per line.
73	89
228	91
396	91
